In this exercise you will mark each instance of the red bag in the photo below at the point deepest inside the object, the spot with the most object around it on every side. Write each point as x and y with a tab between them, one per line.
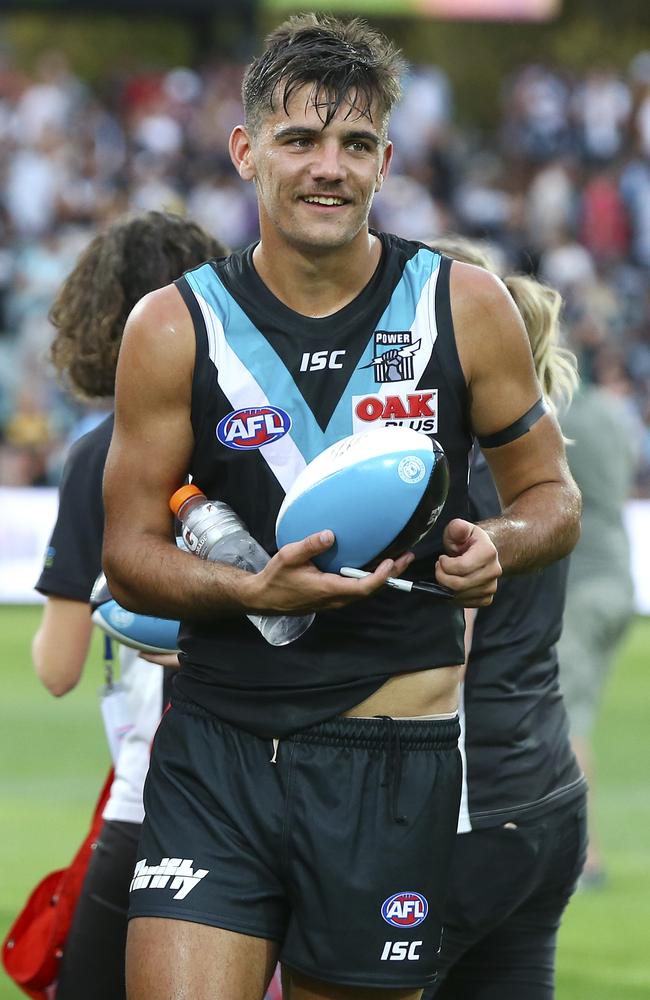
32	950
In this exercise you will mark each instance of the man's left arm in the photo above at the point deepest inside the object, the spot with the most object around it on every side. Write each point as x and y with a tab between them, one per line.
540	521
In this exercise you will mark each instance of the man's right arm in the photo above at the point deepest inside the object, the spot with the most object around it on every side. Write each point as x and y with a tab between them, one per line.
150	457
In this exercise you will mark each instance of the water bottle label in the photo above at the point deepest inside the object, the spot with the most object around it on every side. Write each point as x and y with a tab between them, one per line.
190	539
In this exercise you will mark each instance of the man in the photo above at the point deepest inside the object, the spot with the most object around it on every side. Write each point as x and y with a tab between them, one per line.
307	795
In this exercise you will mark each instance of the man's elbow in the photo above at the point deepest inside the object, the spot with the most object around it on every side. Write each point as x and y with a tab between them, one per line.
573	513
119	580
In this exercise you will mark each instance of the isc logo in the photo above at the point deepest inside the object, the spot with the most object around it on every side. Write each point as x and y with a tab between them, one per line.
319	360
400	951
253	427
405	909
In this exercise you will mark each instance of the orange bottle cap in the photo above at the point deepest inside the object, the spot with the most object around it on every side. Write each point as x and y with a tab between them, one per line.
178	498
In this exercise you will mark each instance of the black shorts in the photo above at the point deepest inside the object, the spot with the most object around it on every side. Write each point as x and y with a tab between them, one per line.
339	850
508	889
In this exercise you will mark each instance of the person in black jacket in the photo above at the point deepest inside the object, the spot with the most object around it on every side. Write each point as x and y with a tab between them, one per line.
122	263
522	824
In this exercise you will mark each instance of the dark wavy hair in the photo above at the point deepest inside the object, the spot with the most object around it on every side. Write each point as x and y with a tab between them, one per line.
121	264
342	60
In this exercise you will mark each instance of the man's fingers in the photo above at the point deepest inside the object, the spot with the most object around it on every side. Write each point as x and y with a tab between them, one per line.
457	535
295	553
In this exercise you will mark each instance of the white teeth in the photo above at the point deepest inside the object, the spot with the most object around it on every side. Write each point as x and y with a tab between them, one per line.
320	200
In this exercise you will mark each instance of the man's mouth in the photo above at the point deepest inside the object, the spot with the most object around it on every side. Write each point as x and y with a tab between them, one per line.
329	201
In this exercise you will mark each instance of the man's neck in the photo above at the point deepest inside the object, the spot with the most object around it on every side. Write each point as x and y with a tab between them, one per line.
317	284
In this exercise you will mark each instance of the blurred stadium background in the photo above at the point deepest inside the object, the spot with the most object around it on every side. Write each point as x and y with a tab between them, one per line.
524	122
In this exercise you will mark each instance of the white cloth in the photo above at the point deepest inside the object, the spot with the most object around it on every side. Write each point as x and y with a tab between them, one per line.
143	684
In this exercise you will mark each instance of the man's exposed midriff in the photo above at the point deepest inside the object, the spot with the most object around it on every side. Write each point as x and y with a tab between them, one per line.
421	692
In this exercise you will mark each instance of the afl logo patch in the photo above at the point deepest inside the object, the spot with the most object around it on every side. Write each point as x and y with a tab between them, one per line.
405	909
253	427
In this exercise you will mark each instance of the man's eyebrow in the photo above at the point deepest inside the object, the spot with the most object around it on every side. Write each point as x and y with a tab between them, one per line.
306	132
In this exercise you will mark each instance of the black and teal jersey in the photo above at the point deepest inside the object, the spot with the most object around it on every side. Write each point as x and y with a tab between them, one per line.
271	390
514	727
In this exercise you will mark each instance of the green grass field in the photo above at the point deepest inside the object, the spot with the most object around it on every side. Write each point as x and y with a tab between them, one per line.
55	759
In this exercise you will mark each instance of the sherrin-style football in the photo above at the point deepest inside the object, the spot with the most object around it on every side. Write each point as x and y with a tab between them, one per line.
151	635
380	492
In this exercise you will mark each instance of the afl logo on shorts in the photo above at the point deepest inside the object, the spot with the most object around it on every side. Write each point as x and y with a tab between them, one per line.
405	909
253	427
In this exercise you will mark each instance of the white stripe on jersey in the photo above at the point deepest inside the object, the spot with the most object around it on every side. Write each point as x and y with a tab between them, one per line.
464	821
424	329
236	382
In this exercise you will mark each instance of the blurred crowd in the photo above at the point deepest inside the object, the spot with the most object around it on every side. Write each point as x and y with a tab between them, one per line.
560	188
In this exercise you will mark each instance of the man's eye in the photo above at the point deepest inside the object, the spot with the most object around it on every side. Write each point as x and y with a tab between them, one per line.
302	142
358	146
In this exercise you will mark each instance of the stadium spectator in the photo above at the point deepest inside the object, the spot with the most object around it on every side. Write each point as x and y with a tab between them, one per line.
122	263
600	595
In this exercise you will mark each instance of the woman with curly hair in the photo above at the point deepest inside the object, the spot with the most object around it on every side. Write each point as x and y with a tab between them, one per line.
131	258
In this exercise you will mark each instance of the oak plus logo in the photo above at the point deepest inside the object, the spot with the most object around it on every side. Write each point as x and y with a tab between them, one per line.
417	410
171	873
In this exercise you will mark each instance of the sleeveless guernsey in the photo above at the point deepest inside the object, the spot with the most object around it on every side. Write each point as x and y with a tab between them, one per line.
271	390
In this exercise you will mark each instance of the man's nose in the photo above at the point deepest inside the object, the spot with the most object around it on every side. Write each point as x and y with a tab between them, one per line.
328	162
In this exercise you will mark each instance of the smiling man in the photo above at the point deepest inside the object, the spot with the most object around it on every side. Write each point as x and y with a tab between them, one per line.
308	794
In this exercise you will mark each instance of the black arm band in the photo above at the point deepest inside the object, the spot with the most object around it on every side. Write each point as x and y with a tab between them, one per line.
517	429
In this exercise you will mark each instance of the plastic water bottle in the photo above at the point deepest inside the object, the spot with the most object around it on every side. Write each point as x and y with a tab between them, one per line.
212	530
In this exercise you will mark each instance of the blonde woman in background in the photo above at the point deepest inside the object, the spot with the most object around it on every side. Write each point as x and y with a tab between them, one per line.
522	824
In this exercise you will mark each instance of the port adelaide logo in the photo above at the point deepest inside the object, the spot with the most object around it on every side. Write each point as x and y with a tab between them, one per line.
393	360
253	427
405	909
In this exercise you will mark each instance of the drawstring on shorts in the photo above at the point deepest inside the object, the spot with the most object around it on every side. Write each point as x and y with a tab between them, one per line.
393	777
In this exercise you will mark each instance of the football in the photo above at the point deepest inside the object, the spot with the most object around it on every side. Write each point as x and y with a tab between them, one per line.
150	635
380	492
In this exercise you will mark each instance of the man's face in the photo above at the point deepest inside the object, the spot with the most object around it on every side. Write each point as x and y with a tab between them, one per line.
315	185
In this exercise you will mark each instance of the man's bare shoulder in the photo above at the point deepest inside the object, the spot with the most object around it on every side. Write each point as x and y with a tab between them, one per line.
477	291
159	339
162	310
487	323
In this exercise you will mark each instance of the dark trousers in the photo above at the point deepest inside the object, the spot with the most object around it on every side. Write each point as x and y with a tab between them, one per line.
507	892
93	959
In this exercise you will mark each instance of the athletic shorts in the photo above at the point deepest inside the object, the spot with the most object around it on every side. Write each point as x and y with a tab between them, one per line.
508	889
335	842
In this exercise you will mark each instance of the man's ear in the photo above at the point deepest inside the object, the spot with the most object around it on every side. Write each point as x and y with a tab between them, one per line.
241	155
385	166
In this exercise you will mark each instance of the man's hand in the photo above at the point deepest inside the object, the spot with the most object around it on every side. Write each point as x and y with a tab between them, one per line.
291	584
470	566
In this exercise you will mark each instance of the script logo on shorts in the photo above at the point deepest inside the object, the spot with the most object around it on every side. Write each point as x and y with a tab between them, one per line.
177	874
405	909
253	427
